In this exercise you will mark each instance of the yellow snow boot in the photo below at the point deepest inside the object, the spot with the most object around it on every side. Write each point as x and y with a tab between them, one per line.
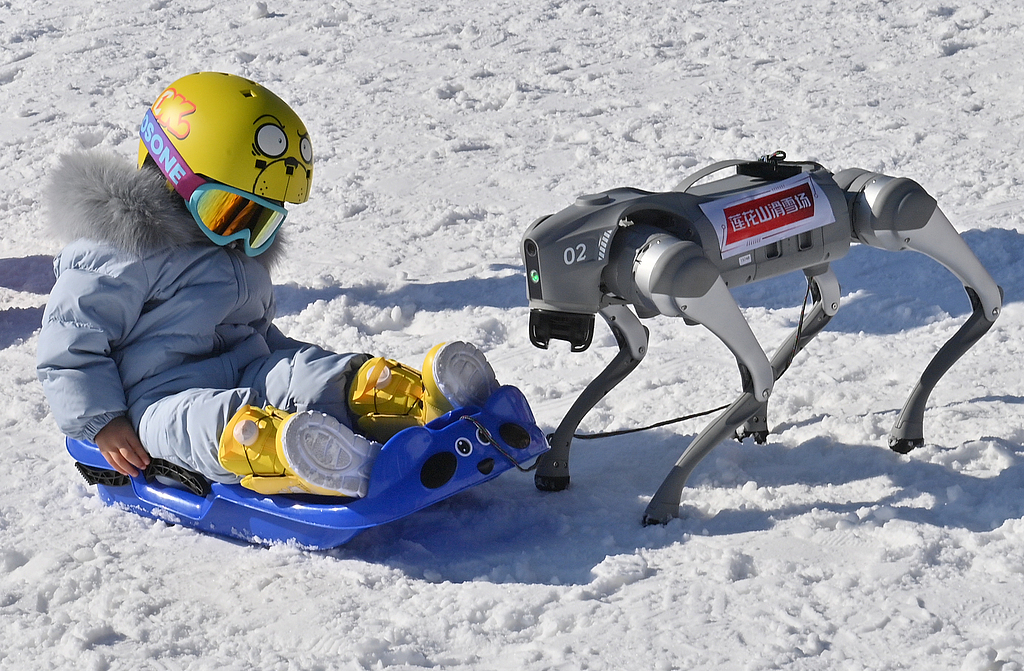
388	396
295	453
456	375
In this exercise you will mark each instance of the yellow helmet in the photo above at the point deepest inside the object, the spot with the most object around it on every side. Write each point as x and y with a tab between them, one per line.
230	130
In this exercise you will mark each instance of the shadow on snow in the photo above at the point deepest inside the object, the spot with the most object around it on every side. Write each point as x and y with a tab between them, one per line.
884	292
888	292
30	274
496	292
507	531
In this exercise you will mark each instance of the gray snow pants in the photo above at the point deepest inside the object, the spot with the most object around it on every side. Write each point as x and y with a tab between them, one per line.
184	427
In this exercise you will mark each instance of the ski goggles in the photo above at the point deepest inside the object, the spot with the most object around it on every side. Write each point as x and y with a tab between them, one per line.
224	213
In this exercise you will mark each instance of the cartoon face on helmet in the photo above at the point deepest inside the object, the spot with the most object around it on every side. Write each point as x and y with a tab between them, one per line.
230	130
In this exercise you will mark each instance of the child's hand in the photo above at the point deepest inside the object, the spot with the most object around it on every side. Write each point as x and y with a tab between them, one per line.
121	447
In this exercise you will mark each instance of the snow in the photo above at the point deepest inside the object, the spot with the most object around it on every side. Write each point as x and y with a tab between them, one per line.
442	131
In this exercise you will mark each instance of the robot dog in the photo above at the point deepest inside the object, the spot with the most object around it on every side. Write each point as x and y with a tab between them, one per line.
628	254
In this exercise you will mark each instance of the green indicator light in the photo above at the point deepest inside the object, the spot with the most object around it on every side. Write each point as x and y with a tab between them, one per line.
534	276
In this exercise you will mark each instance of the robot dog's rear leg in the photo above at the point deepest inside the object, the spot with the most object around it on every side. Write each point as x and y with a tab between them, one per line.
908	431
897	214
824	289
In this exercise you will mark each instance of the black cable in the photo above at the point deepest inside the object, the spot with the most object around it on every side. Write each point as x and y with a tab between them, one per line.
799	331
622	432
789	360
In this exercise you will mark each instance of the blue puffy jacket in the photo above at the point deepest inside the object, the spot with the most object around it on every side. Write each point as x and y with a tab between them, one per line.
150	319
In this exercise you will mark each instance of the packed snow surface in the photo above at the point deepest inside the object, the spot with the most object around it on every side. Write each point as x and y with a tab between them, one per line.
442	130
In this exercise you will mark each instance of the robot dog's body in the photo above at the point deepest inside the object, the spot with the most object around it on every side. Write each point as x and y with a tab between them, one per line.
627	254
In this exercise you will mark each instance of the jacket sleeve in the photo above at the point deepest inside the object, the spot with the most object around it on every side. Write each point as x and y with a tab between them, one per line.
93	306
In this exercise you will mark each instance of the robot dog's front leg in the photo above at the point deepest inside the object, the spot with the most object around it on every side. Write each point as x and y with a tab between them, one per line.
681	282
632	337
897	214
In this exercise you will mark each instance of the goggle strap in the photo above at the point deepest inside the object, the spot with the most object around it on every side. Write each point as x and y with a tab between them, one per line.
167	158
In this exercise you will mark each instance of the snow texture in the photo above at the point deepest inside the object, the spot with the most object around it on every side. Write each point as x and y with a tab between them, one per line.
441	132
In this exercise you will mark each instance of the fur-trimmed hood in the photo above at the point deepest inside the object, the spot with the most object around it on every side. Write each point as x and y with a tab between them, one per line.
103	197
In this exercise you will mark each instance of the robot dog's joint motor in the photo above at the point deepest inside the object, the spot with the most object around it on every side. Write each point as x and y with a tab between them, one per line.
628	254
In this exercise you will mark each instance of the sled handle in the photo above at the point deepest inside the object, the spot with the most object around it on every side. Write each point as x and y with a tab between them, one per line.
175	500
685	185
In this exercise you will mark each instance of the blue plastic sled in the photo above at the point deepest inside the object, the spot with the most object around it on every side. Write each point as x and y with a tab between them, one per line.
418	467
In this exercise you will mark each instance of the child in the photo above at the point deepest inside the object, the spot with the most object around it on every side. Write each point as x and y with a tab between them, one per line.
158	340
